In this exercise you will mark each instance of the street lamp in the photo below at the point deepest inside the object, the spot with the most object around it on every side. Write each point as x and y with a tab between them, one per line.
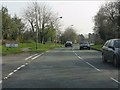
52	23
56	33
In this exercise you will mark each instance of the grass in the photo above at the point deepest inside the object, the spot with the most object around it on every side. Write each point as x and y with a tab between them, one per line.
31	46
98	47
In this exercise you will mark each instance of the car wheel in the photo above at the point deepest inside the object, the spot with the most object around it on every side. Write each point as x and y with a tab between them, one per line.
115	62
80	48
103	59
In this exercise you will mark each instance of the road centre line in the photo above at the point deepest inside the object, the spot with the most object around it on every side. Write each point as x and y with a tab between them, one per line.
30	56
115	80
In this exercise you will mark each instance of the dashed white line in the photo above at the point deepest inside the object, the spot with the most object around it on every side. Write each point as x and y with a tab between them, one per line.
6	78
10	74
30	56
115	80
15	71
18	68
92	66
22	66
26	63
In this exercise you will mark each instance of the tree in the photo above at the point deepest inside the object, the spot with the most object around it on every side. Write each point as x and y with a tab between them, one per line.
106	24
40	16
12	28
69	34
6	20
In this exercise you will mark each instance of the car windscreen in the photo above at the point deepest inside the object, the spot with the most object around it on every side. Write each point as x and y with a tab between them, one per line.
69	42
117	43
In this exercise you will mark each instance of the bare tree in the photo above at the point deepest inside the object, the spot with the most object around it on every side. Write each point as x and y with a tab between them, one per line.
39	16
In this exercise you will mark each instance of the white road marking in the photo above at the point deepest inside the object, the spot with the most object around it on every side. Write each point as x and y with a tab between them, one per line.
86	62
80	57
6	78
15	71
92	66
22	66
30	56
10	74
76	54
0	81
18	68
115	80
37	56
26	63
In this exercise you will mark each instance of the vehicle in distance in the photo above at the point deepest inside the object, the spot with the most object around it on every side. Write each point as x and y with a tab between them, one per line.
111	52
84	45
68	44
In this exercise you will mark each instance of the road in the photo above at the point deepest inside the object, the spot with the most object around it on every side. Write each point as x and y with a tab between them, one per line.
59	68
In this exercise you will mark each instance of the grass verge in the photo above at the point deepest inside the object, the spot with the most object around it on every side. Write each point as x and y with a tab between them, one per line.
31	47
97	47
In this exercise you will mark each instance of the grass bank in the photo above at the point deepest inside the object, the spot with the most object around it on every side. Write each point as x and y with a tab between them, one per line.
29	47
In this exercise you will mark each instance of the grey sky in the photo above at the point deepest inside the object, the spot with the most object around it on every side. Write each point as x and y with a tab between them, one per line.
77	13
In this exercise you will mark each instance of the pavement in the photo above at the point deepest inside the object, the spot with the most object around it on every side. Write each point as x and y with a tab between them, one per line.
59	68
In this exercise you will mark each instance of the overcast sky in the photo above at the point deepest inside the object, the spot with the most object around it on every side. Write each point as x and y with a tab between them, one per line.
77	13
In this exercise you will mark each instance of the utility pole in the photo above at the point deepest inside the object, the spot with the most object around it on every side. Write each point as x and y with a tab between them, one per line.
36	13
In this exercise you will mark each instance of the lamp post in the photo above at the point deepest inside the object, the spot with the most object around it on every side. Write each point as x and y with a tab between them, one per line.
53	22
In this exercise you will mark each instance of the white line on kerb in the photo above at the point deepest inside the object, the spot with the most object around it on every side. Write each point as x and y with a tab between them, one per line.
30	56
115	80
0	81
92	66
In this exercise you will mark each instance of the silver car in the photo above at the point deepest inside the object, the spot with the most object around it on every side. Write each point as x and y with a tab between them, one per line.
111	51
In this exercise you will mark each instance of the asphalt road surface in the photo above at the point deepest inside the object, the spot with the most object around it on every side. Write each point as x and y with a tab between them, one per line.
59	68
